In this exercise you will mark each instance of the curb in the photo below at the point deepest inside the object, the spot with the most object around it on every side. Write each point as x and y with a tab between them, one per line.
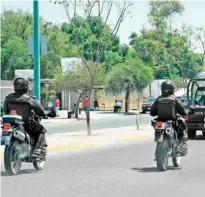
53	149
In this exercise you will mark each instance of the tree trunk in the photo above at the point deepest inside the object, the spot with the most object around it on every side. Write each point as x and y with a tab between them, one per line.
127	95
88	113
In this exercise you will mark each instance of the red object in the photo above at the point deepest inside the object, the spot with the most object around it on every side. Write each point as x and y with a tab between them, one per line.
12	112
7	126
57	103
187	117
85	102
159	124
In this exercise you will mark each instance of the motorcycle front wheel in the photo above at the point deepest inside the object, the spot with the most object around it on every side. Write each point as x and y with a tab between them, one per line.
12	161
162	156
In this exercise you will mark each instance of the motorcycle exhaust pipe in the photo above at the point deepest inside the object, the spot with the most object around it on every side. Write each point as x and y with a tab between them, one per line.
19	136
169	132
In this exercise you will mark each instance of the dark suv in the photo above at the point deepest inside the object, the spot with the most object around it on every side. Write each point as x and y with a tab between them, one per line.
195	118
146	105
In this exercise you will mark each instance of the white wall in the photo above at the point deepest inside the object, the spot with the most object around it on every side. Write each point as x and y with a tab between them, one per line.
155	88
73	99
5	91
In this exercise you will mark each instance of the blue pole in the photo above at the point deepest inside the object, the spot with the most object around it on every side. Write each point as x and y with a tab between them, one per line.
36	39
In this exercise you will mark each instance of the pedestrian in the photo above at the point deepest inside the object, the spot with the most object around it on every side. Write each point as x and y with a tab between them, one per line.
50	105
96	105
85	104
57	105
74	109
80	106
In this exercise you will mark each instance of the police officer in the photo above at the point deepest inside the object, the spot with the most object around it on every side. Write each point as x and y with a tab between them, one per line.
167	106
25	105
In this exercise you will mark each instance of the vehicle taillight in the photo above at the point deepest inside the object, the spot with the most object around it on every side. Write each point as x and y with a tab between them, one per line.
187	117
12	112
7	126
159	124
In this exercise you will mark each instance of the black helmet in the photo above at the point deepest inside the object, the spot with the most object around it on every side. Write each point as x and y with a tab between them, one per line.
167	87
21	84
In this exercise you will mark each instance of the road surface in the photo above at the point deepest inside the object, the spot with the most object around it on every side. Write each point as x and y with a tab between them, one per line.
107	122
119	171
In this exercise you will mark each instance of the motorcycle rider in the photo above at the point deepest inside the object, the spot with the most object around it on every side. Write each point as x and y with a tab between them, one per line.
25	105
166	107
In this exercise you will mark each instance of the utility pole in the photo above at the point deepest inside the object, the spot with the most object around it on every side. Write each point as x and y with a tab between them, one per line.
36	41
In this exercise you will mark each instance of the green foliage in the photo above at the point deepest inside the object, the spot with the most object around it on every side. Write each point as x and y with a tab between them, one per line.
90	34
15	28
160	51
162	11
131	74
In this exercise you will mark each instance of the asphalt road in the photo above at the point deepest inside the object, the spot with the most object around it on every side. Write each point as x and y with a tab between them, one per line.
107	122
119	171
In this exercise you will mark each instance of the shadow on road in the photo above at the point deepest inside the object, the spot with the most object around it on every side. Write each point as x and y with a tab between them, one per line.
30	171
153	169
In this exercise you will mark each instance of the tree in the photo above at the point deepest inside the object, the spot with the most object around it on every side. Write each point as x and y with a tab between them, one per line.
166	50
128	77
162	12
78	79
15	28
89	32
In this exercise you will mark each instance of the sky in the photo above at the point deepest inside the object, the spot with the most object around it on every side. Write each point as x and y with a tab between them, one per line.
194	15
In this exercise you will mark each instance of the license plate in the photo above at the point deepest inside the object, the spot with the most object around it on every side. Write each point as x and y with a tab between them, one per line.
5	140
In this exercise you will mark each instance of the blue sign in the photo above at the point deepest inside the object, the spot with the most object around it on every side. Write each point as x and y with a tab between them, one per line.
43	43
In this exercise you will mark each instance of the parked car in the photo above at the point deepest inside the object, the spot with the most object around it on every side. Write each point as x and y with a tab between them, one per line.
146	105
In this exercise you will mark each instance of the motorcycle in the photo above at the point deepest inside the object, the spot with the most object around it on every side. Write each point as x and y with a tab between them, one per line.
167	141
18	145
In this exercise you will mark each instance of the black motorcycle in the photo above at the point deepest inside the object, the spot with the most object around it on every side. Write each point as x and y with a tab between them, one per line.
18	145
167	141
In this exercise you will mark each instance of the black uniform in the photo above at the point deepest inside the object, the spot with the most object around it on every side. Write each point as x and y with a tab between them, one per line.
24	104
179	107
166	107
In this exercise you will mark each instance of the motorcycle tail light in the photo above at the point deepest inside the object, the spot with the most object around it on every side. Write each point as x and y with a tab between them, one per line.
7	126
159	124
12	112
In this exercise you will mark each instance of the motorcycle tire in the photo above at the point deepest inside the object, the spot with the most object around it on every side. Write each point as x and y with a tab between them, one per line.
11	154
162	156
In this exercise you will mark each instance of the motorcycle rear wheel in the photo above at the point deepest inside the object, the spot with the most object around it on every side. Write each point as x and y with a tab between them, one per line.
162	156
12	161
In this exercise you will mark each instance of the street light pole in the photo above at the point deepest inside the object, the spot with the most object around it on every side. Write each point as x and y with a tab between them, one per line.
36	50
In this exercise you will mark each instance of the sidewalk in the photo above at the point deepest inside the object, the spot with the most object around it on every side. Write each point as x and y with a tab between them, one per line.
99	138
93	115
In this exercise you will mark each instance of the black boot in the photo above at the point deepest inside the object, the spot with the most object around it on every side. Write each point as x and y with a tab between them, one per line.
40	150
182	147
